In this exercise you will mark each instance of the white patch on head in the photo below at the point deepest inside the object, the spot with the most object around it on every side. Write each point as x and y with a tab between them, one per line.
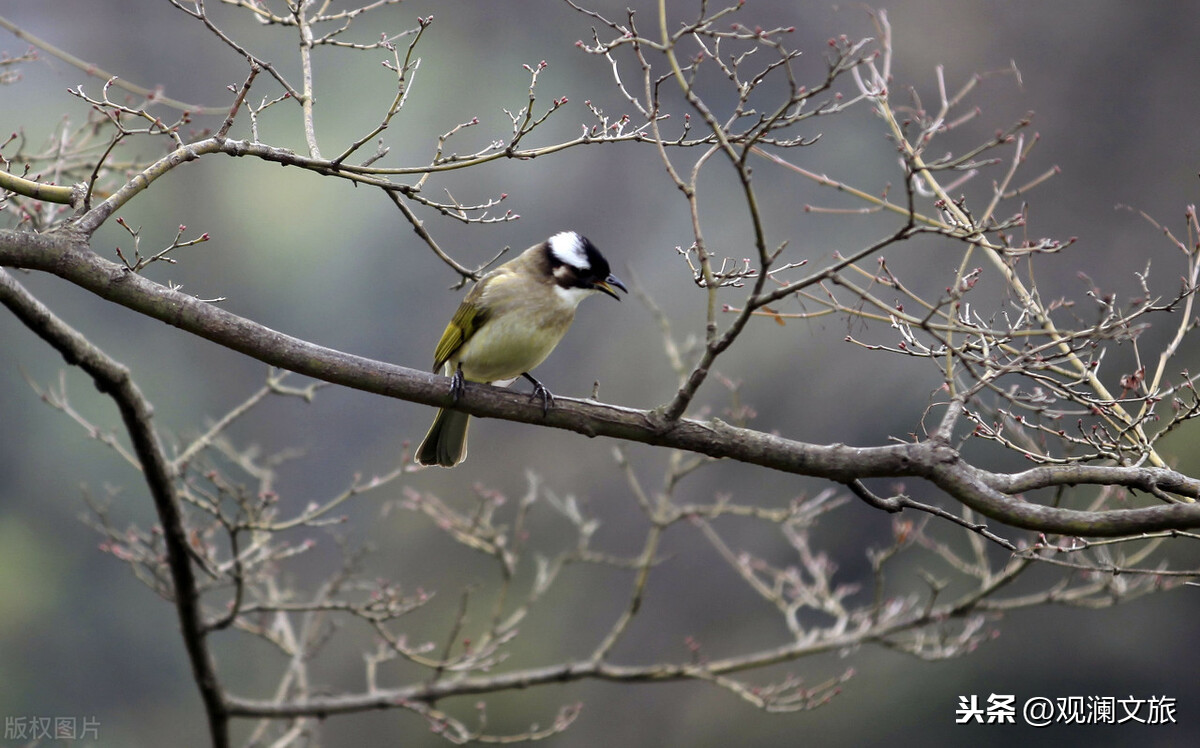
567	246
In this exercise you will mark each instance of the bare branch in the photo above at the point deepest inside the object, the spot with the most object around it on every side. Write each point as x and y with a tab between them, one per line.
114	380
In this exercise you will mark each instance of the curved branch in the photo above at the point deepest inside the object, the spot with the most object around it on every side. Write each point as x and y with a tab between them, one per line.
375	177
113	379
51	193
67	255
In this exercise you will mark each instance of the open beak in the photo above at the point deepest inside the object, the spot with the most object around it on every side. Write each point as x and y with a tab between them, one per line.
609	286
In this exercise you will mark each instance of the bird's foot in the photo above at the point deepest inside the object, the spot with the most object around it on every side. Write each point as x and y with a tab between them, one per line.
540	391
457	384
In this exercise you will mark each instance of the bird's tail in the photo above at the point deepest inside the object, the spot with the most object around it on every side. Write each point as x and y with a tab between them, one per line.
446	442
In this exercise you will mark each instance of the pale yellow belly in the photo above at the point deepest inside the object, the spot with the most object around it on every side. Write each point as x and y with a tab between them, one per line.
505	350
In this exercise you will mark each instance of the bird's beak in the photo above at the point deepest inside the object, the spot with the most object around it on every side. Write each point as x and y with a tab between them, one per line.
609	286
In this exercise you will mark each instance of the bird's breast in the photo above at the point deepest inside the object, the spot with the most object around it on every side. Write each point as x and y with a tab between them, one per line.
510	344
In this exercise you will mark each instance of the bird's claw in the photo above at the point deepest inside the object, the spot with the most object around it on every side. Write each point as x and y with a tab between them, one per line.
544	394
540	391
457	384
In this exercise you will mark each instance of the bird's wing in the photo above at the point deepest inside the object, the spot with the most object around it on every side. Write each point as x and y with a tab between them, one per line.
463	325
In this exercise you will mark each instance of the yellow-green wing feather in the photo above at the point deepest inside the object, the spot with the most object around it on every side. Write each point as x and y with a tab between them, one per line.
463	325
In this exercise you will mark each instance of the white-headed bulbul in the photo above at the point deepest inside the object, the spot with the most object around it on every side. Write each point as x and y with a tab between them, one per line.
508	323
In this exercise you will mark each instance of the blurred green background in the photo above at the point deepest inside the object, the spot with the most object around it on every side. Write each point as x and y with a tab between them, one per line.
1113	85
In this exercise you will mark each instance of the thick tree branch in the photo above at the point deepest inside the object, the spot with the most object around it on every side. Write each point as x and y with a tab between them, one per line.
113	379
991	494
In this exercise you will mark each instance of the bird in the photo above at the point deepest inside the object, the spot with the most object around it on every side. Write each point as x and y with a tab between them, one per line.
507	324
